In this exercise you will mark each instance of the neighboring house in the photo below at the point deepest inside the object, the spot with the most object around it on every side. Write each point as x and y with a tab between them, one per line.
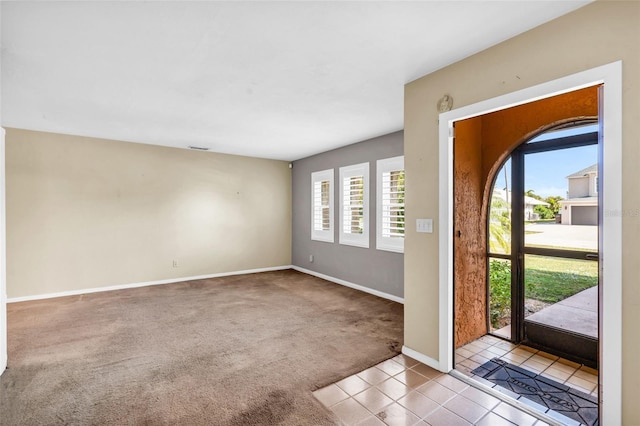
581	205
529	203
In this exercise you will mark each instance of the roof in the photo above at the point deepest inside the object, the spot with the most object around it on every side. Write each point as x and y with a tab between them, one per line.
580	200
501	193
584	172
534	201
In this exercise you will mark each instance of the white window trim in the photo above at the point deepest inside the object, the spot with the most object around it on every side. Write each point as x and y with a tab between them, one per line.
322	235
358	240
384	166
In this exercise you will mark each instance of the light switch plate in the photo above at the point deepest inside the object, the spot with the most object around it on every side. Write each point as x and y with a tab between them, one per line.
424	225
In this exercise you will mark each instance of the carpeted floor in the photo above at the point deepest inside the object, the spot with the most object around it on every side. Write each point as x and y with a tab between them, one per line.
238	350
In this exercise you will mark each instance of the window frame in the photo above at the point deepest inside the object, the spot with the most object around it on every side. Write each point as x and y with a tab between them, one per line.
387	165
347	172
326	236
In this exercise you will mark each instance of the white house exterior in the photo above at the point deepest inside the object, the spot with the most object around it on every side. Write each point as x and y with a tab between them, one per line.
529	203
581	205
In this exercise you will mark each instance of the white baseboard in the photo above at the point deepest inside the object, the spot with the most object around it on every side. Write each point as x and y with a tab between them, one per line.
422	358
350	284
143	284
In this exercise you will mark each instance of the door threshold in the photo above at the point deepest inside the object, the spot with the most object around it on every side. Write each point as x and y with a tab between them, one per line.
571	374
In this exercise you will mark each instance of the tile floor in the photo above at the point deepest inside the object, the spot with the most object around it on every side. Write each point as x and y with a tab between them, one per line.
403	391
476	353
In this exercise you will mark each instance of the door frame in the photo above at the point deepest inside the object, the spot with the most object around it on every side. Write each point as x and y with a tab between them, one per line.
3	260
610	322
569	345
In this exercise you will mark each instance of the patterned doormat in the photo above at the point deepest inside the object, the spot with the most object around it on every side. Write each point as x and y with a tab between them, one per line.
560	398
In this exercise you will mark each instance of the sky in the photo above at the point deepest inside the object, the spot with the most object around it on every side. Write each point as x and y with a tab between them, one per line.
546	172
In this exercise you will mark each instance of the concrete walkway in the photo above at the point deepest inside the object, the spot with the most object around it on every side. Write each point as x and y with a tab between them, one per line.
578	313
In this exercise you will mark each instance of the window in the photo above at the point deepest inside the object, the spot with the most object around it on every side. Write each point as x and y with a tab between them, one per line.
322	206
354	205
390	204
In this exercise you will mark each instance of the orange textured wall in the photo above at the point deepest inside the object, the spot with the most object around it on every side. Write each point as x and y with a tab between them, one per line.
469	240
481	145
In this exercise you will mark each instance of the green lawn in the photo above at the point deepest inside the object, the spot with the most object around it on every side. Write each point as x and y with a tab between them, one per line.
547	279
551	279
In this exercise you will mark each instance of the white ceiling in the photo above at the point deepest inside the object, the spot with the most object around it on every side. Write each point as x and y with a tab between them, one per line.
280	80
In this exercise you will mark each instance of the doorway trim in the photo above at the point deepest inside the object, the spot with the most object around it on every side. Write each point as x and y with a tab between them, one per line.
611	318
3	259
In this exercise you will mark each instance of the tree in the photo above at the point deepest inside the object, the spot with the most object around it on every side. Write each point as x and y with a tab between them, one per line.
499	225
532	194
554	203
550	211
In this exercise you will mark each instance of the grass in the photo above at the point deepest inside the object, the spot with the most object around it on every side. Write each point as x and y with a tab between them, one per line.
547	279
550	279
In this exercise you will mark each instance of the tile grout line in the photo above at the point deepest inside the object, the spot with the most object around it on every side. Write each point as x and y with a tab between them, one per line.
464	377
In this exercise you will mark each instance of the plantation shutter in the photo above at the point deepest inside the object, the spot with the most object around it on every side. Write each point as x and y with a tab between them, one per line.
354	205
393	204
390	204
322	206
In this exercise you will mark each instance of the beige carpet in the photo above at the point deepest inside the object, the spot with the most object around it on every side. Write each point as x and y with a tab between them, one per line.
239	350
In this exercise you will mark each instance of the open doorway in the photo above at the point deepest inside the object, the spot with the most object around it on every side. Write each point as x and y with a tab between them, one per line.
542	245
513	260
484	148
610	180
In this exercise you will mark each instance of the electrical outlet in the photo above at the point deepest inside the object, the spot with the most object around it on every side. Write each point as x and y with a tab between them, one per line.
311	258
175	263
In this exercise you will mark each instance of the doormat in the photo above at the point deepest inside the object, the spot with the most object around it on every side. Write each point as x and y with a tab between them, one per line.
560	398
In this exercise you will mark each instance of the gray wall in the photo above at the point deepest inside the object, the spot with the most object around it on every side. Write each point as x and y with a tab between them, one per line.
376	269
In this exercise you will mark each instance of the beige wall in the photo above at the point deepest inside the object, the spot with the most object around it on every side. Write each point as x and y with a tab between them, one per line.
85	213
597	34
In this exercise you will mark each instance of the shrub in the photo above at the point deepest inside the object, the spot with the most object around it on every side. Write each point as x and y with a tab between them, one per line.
499	291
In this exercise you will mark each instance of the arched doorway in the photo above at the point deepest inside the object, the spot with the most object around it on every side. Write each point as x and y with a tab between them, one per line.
542	245
481	145
451	334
